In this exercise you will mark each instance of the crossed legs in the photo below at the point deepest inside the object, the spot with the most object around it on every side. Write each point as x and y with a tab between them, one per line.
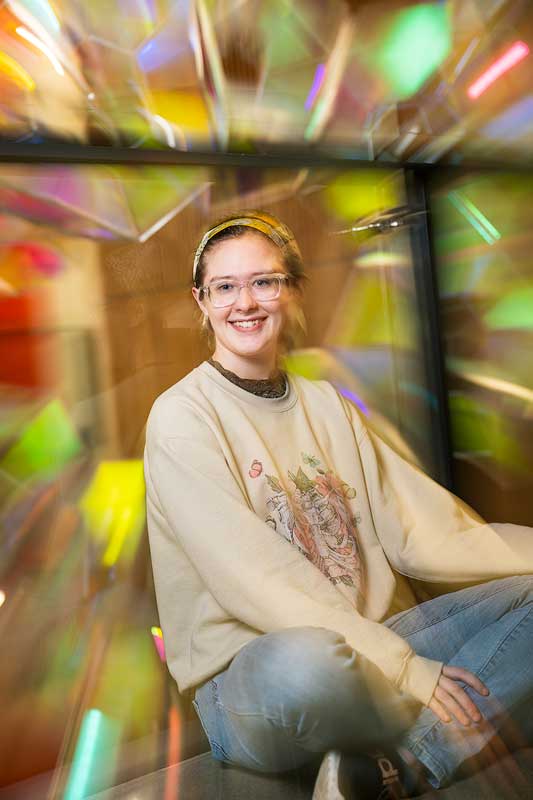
287	697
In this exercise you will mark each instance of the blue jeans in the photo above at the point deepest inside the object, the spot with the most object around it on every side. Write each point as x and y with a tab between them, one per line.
289	696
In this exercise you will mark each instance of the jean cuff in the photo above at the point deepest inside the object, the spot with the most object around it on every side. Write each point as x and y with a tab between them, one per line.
437	773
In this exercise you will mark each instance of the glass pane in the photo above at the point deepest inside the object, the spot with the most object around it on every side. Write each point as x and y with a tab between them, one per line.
483	241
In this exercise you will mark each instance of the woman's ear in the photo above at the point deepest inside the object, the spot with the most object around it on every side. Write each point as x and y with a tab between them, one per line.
197	294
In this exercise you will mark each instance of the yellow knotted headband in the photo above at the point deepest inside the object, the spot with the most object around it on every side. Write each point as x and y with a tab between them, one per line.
267	224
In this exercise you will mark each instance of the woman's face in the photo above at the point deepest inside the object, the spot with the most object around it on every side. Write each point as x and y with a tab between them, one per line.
248	330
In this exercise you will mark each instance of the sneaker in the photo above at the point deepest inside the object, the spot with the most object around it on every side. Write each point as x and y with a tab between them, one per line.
327	781
366	777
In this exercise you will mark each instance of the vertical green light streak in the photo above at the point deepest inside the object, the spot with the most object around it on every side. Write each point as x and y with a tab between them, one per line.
94	755
84	756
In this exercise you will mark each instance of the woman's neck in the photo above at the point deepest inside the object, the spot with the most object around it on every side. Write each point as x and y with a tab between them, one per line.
248	368
269	387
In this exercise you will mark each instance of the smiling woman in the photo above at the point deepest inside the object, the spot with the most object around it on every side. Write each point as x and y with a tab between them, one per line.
282	531
248	277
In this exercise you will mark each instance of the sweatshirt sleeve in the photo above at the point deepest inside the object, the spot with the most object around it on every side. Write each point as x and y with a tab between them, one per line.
426	532
253	573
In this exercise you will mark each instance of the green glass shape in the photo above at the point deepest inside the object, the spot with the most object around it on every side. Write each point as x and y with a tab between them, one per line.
513	311
46	445
415	45
479	431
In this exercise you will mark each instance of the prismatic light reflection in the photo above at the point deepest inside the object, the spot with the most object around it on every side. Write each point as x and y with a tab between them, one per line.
30	37
113	508
315	88
516	53
157	635
475	217
416	44
15	72
95	752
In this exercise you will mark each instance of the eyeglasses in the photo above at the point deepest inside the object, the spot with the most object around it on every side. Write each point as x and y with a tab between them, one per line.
262	288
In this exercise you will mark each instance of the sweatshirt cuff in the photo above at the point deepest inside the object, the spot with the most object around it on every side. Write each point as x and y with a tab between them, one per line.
420	677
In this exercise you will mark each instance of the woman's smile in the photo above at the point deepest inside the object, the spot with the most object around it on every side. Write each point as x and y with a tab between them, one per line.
250	325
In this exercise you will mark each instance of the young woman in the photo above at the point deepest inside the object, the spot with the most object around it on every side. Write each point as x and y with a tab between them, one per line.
283	536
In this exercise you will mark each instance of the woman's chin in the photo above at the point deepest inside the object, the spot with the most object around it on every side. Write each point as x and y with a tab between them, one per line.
250	349
254	347
252	341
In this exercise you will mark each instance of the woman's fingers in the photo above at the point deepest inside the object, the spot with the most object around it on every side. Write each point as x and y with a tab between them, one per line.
450	698
464	675
456	705
458	694
439	710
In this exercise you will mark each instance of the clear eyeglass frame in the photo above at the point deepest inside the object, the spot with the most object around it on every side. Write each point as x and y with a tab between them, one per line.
220	302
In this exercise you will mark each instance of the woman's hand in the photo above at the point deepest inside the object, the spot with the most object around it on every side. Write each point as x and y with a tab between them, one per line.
450	699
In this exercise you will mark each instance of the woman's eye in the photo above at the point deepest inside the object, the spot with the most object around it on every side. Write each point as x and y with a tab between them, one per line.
262	282
223	288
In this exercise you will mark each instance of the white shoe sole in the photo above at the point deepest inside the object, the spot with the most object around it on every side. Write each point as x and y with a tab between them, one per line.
327	782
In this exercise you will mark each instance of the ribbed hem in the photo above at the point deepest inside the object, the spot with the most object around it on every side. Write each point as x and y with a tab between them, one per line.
420	677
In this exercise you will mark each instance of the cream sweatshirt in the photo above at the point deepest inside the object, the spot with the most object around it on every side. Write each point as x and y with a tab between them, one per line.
271	513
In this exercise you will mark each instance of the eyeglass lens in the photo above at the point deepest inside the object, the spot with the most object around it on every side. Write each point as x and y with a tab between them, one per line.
263	288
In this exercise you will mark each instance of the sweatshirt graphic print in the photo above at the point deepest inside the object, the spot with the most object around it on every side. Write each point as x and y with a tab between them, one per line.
316	517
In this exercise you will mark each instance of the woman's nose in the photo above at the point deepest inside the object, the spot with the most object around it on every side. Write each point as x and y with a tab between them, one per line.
246	298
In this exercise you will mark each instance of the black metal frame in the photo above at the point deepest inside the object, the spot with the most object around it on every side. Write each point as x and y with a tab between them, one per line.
428	307
55	151
59	152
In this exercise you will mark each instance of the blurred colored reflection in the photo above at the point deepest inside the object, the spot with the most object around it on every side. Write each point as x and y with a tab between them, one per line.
355	195
114	510
483	242
158	641
99	202
425	26
44	447
410	80
94	757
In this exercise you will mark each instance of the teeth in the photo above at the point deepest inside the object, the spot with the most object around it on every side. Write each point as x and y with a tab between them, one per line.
252	323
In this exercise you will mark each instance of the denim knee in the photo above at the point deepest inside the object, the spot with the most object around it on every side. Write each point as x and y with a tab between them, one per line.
299	667
311	685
